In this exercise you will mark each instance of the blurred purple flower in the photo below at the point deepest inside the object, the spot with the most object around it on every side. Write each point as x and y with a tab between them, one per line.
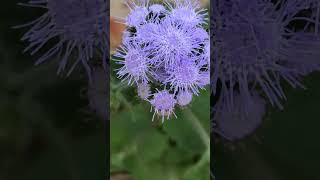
78	29
255	46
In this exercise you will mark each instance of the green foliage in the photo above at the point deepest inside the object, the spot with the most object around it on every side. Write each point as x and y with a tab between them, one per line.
177	149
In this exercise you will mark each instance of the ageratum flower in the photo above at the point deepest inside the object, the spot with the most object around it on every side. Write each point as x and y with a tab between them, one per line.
138	13
163	103
135	63
78	29
188	12
170	41
184	98
164	50
144	90
157	10
256	46
185	75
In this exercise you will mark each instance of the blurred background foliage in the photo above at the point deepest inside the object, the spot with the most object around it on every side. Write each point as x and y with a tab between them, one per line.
178	149
47	130
285	147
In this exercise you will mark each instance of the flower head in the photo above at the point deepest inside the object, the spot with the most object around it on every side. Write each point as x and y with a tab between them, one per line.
188	12
184	98
137	16
135	63
157	9
163	103
144	90
77	26
255	43
185	76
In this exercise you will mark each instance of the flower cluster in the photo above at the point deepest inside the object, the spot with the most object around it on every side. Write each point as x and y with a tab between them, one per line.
258	44
165	46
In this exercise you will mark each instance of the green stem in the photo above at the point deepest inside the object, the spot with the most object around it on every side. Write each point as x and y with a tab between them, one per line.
205	159
204	135
198	127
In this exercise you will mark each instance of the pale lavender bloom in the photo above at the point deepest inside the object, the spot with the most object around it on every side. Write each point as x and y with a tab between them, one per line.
138	12
184	98
185	75
135	67
201	35
188	12
78	26
160	74
169	41
205	61
144	90
137	16
163	103
144	32
157	9
204	78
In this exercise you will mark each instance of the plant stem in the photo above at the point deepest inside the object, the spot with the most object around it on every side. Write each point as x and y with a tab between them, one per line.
198	127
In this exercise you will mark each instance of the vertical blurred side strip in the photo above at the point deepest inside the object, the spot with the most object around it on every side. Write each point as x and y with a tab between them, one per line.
106	64
212	86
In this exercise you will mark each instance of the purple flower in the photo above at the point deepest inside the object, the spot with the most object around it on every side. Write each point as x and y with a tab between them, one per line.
135	64
144	91
157	9
204	78
137	16
160	74
184	98
162	49
185	75
77	26
255	46
169	41
188	12
205	61
163	103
